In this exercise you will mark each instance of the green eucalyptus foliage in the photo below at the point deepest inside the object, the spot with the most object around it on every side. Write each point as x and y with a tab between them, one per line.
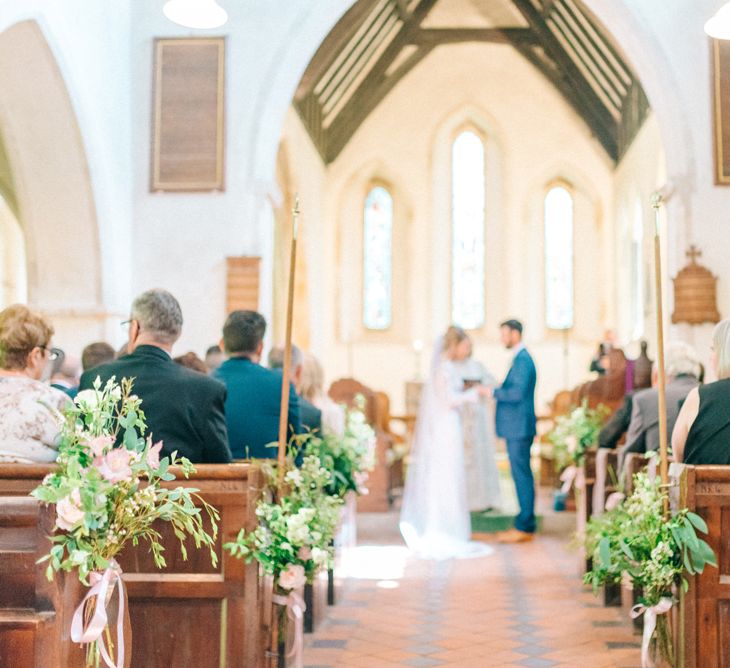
636	539
107	489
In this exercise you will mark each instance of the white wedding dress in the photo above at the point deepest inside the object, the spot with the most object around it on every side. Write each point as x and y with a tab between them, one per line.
435	520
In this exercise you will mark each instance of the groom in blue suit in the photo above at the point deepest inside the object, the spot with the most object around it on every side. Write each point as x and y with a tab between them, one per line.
516	422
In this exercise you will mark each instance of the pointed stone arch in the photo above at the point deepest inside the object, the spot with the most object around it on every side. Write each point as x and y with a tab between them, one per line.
47	176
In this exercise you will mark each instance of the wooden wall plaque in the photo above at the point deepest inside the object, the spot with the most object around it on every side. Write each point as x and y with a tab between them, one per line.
695	293
242	283
721	90
188	114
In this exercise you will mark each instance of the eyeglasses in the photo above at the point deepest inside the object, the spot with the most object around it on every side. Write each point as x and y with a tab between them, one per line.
53	353
126	323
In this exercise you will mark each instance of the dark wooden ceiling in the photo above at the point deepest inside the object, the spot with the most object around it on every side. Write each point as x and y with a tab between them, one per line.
377	42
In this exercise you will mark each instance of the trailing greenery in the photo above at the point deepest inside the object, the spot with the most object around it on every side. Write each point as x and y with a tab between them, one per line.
109	495
656	552
575	433
295	533
349	458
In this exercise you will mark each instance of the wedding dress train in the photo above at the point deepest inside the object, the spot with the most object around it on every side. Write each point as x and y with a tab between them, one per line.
435	520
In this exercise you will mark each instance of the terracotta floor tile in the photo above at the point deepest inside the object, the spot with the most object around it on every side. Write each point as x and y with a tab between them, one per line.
476	613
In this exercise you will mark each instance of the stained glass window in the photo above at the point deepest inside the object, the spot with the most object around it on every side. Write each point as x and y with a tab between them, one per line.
467	230
378	253
558	258
637	274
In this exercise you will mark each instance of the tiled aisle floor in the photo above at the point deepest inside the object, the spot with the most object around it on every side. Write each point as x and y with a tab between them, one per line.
522	606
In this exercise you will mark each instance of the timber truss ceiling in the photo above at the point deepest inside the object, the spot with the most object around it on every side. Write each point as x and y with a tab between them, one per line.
377	42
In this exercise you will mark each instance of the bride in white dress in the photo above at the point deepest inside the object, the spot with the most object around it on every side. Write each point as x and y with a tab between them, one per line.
435	520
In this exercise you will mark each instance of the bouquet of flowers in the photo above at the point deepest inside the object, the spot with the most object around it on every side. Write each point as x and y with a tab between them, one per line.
654	551
575	433
348	458
107	493
294	538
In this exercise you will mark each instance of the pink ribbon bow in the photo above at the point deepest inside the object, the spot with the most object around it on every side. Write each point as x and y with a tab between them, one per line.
94	631
295	607
614	500
572	474
650	617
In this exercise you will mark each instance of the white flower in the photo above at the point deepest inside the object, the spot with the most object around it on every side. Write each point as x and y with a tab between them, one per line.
319	556
295	477
78	557
87	399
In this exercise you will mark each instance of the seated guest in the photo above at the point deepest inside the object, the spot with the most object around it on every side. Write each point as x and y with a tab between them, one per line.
254	392
29	408
191	361
618	424
702	431
95	354
311	388
309	415
214	357
184	409
65	373
682	369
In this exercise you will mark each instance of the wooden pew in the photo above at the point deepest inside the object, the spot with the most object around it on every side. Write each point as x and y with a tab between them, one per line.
705	490
189	613
585	510
345	391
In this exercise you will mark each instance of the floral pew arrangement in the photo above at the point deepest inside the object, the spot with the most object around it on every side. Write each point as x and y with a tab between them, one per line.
636	540
293	541
571	437
348	458
107	496
295	538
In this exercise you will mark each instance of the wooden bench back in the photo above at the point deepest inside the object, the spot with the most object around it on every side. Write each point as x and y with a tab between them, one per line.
190	612
706	491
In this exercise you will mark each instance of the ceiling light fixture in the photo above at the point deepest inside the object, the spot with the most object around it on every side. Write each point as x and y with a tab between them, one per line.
200	14
719	25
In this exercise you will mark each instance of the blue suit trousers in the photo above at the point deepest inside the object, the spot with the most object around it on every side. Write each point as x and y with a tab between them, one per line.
519	458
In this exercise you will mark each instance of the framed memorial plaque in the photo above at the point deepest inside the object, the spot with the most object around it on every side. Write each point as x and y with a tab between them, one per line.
721	85
188	114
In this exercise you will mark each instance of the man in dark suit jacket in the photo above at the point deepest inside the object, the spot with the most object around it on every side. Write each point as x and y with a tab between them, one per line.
516	422
310	416
254	392
184	409
683	369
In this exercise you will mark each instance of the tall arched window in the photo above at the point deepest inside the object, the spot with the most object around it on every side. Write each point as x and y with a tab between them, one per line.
637	273
377	259
467	230
558	214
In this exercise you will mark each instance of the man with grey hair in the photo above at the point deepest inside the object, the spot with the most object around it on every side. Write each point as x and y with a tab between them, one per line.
309	415
683	371
184	409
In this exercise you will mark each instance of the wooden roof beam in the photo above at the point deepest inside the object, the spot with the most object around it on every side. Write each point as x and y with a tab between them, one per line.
437	36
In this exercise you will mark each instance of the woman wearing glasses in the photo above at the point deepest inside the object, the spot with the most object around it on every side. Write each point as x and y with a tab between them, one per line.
29	408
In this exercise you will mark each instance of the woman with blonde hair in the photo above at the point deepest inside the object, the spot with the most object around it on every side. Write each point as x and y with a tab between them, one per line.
435	519
29	408
702	431
311	388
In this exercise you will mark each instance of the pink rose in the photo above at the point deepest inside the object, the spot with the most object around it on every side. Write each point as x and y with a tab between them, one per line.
68	511
293	577
114	466
305	554
99	444
153	455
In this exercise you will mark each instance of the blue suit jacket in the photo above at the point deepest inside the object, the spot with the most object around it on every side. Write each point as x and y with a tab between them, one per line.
515	416
252	408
